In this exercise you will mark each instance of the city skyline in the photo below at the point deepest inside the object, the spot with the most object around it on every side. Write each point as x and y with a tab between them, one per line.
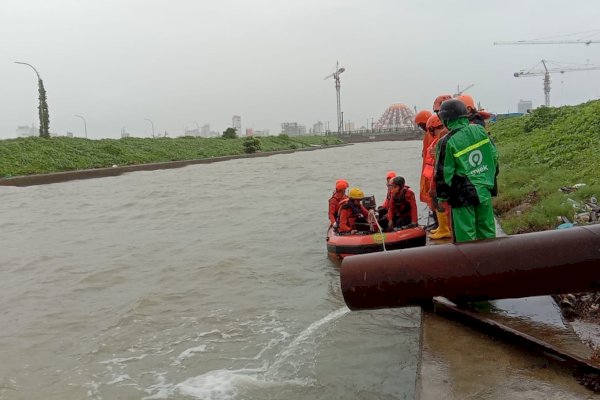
119	63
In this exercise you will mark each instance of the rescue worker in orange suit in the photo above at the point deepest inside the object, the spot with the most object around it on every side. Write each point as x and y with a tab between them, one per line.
402	210
338	195
421	122
390	175
383	209
474	116
442	209
465	173
352	214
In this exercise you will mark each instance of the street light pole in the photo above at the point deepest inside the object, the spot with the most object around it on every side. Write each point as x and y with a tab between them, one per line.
43	105
84	124
152	123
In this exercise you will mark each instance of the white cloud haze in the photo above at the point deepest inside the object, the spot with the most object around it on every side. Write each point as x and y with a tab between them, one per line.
182	62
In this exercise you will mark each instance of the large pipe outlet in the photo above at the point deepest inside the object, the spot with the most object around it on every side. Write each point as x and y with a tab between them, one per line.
531	264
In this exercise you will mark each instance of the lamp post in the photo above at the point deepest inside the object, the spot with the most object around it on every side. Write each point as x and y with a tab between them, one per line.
84	124
152	123
43	105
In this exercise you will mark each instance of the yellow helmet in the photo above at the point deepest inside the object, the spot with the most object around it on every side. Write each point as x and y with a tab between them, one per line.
356	194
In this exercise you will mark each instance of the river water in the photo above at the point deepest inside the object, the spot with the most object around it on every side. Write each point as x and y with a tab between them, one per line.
205	282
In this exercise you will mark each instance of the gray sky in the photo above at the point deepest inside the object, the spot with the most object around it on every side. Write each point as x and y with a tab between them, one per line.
182	62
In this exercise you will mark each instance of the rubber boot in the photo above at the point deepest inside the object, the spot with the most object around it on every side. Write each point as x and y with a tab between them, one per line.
435	225
443	230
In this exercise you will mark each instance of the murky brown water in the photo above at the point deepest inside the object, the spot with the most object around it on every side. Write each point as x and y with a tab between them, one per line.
209	282
213	282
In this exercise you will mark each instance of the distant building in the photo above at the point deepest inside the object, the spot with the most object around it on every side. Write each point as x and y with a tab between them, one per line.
69	134
249	132
395	116
349	126
318	128
293	129
25	130
236	123
124	134
205	130
524	106
192	132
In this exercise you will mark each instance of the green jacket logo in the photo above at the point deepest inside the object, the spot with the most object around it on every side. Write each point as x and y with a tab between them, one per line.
475	158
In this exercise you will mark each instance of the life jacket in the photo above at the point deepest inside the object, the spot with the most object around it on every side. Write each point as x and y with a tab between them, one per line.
334	205
400	205
354	215
430	160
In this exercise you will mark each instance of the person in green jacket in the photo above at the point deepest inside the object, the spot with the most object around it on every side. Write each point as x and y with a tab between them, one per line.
465	173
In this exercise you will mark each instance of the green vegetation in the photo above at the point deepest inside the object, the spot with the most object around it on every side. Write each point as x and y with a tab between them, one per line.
252	145
540	153
230	133
34	155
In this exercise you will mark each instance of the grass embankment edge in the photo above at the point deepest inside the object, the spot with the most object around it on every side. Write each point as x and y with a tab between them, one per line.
34	155
540	153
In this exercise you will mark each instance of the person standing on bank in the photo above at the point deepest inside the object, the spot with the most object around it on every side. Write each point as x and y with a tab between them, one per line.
466	165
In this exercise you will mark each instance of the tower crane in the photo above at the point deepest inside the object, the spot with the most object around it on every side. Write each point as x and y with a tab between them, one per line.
546	73
586	42
552	40
459	91
336	77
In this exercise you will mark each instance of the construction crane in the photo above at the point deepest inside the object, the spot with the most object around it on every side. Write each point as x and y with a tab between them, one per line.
586	42
459	91
546	73
336	77
552	40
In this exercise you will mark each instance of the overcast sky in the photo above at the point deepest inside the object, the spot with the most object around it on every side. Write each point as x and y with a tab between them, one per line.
182	62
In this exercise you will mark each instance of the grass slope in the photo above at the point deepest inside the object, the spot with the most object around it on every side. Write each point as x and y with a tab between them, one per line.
34	155
540	153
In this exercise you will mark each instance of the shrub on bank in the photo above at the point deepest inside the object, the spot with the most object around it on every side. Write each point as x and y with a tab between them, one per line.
540	153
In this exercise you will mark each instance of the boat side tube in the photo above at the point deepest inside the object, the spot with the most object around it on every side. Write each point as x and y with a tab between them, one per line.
531	264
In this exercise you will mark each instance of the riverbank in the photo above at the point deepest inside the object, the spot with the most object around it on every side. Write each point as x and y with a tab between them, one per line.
540	153
549	177
32	161
115	170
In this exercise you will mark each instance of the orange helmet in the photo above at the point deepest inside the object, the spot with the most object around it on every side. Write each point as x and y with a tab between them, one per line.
437	103
468	100
421	118
390	175
434	122
341	184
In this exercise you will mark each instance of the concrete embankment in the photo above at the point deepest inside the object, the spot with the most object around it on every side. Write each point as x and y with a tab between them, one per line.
42	179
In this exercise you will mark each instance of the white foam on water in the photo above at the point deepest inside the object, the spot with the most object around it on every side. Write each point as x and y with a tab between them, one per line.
224	384
304	344
123	360
189	353
119	379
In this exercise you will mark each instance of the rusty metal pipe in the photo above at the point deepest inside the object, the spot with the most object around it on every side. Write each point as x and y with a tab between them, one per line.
531	264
